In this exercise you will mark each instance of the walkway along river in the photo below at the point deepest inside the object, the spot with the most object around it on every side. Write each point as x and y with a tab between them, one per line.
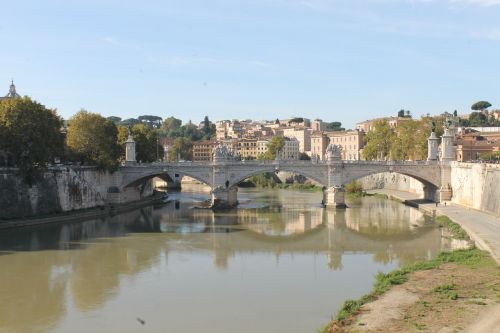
278	263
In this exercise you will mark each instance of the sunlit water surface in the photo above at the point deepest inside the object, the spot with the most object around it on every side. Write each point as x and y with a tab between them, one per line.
279	263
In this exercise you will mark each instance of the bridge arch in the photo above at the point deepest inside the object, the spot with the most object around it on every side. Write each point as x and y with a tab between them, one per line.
164	175
237	178
430	186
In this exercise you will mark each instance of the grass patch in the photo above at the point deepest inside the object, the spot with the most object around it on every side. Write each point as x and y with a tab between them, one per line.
420	327
447	290
444	288
454	228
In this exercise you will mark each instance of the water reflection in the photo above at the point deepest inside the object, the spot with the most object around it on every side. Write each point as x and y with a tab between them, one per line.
51	277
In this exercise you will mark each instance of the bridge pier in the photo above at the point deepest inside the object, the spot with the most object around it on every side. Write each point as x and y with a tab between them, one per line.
224	198
334	197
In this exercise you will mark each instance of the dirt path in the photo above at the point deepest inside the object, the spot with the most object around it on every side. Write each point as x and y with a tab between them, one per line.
488	322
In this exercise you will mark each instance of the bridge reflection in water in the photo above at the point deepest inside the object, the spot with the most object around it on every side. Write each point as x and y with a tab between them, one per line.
88	263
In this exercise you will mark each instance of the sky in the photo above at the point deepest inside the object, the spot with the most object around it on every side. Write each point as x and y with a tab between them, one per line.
337	60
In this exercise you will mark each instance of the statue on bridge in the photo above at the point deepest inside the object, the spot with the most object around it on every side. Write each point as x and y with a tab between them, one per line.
223	153
433	126
333	152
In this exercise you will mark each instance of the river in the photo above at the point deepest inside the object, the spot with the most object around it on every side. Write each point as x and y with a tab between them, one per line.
278	263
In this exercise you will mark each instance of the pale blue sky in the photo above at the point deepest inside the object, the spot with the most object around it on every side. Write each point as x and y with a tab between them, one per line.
331	59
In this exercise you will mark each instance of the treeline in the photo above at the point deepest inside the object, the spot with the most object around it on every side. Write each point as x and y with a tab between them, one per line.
33	136
407	142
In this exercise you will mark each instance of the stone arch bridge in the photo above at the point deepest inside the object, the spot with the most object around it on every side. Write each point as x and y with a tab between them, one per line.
224	174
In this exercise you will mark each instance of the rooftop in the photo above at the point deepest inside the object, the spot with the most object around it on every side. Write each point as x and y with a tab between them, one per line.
12	92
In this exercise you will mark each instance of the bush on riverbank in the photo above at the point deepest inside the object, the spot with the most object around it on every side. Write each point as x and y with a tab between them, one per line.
354	188
454	228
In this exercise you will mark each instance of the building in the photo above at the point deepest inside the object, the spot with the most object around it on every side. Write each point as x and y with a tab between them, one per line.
203	150
472	150
319	142
303	135
291	150
472	145
221	128
369	125
235	130
12	92
248	148
352	143
262	147
318	125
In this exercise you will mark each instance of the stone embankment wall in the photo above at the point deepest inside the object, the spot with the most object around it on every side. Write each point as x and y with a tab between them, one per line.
477	186
60	190
392	181
474	185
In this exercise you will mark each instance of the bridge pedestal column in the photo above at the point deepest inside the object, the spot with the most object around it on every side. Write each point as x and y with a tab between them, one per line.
445	194
224	198
334	197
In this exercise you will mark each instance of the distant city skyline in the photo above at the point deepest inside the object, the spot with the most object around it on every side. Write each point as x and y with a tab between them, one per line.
336	60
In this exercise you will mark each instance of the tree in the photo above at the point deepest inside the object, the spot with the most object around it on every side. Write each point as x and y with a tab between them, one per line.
30	134
379	142
208	129
410	142
274	146
115	120
171	123
304	157
491	156
130	122
335	126
191	132
152	121
401	113
182	149
94	140
296	120
478	119
480	106
147	146
122	137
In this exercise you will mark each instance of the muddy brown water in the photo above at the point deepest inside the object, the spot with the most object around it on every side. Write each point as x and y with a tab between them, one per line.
278	263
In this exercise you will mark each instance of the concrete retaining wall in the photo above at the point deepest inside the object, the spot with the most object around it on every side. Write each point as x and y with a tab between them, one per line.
392	181
477	186
60	189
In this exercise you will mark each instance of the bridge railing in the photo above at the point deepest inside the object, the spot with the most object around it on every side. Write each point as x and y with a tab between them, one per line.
281	162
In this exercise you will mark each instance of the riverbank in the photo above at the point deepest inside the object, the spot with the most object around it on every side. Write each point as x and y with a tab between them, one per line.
79	215
483	228
458	291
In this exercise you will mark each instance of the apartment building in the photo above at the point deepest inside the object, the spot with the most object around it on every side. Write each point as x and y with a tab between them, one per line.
303	136
203	150
319	142
262	147
352	143
291	150
248	148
